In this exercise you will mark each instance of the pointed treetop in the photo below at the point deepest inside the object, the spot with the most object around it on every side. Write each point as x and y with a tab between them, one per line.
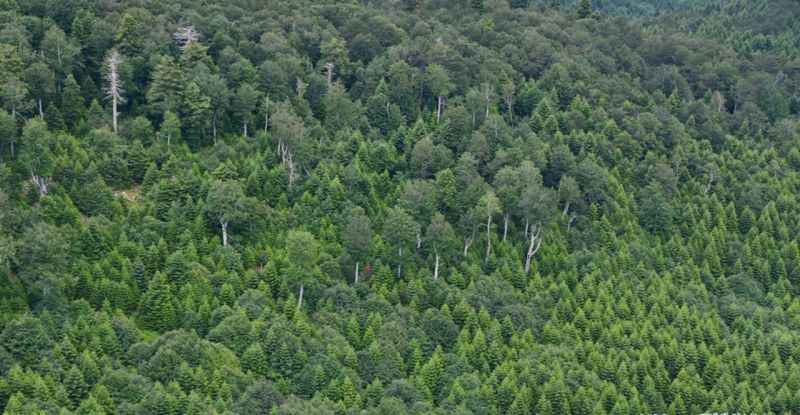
114	89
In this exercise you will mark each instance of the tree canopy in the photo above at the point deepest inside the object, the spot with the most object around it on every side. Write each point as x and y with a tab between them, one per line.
399	207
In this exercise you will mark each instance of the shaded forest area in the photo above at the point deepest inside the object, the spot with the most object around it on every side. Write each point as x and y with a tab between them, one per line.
399	207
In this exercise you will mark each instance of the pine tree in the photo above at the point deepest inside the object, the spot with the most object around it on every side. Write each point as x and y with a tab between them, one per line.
349	394
76	386
73	106
585	9
255	360
157	309
432	373
195	114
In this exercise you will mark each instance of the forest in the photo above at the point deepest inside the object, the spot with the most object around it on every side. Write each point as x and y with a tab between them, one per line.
388	207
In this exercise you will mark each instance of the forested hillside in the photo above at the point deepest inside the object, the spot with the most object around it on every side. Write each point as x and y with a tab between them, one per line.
399	207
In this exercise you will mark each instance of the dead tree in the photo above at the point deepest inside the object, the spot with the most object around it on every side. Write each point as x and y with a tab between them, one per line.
436	267
186	36
266	113
329	73
42	184
114	89
533	247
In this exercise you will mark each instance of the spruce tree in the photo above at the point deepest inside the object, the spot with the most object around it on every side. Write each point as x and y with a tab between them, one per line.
585	9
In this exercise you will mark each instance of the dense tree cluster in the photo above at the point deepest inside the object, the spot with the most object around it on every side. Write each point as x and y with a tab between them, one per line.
398	207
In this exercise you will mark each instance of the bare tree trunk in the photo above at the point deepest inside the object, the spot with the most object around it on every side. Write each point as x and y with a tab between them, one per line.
708	186
533	247
439	108
244	128
526	228
13	117
329	67
214	124
300	297
291	172
505	227
114	113
571	221
436	268
41	110
566	208
488	238
400	260
266	113
114	89
40	183
356	277
224	225
468	242
419	240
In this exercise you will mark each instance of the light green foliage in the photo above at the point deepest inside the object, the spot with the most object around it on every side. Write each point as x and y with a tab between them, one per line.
551	207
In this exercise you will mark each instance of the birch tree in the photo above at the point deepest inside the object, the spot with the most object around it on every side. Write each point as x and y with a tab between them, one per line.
439	84
41	81
568	192
8	132
507	182
357	237
227	204
302	250
114	88
400	230
36	154
244	103
489	205
537	204
59	51
439	237
289	131
14	93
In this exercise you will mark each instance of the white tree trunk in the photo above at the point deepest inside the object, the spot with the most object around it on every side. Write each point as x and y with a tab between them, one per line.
40	183
214	124
224	225
566	208
399	261
300	297
488	238
436	268
266	114
419	240
114	113
526	228
245	129
505	227
533	247
41	110
439	108
13	117
356	276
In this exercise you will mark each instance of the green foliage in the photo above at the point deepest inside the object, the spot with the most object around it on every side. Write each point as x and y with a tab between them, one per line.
491	207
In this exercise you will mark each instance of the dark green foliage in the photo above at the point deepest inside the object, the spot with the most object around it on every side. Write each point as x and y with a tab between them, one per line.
492	207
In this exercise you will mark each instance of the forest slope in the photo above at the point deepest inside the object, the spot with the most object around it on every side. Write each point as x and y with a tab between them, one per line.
396	207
